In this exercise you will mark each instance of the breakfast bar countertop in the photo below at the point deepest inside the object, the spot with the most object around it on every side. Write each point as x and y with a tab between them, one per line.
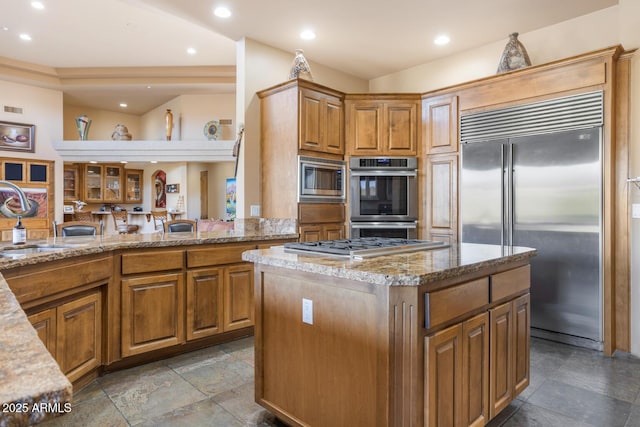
32	386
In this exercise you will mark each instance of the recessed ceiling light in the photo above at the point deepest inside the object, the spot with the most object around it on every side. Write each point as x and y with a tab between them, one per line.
442	39
124	162
25	37
123	105
148	86
191	51
222	12
153	161
93	162
37	5
307	35
4	28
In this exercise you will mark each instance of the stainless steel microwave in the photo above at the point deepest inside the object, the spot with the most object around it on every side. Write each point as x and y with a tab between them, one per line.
321	180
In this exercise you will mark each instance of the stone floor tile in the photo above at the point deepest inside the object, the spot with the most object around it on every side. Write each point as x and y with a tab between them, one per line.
148	393
206	355
634	417
534	416
582	405
96	412
218	377
240	401
506	413
202	413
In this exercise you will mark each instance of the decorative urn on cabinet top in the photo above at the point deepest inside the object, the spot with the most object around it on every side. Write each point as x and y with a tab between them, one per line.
300	67
514	56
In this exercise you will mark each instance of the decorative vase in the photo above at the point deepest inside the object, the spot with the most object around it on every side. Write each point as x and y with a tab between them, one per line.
168	124
514	56
300	67
83	123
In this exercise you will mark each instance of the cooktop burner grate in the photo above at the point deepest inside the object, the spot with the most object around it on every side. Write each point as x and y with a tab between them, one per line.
363	247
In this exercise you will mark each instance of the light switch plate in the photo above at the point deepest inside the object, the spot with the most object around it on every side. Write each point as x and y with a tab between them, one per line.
255	210
307	311
635	210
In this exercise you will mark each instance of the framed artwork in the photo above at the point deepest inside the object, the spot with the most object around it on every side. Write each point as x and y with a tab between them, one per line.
10	204
172	188
17	137
160	182
230	199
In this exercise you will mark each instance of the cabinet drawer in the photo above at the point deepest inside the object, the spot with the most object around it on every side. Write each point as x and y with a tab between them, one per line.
218	255
144	262
315	213
510	282
450	303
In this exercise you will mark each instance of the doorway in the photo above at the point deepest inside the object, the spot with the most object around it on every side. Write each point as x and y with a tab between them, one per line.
204	194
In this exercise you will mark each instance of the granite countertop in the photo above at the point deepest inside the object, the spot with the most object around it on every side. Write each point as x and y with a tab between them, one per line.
29	376
404	269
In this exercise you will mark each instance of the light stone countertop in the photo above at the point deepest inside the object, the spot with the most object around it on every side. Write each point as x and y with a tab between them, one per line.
403	269
28	373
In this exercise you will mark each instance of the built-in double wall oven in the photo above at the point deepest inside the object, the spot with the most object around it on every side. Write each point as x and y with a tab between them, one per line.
383	197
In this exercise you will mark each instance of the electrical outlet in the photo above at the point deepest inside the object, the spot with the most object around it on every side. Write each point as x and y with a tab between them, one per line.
307	311
635	210
255	210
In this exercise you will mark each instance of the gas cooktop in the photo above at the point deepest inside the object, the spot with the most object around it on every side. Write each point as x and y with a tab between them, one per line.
362	247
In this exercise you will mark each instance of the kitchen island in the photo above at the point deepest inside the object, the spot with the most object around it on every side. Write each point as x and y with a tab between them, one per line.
435	337
72	308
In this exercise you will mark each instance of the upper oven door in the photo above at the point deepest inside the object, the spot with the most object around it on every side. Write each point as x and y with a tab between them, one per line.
383	195
320	180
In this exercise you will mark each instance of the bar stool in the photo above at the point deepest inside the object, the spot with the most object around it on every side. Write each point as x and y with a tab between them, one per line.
180	225
121	221
159	218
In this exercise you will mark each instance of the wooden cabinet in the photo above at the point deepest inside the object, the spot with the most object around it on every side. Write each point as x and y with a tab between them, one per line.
321	221
386	126
238	296
440	124
321	122
71	184
314	233
134	185
441	198
457	361
152	312
204	302
102	183
72	332
509	352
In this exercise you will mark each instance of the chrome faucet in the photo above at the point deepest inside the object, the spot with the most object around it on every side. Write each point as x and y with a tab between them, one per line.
25	205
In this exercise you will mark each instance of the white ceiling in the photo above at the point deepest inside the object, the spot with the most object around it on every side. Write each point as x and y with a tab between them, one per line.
365	38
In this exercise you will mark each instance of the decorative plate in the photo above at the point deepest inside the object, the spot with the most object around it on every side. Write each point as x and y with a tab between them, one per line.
212	130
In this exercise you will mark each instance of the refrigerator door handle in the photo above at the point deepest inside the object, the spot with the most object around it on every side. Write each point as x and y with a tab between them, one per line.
510	211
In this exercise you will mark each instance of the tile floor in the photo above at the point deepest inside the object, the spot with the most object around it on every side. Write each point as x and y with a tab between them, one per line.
569	387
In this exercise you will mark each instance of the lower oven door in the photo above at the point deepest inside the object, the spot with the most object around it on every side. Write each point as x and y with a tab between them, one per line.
402	230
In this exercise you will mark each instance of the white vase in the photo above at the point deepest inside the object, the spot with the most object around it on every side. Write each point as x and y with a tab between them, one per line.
300	67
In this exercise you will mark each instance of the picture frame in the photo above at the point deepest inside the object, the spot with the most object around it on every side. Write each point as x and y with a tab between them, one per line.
172	188
68	209
17	137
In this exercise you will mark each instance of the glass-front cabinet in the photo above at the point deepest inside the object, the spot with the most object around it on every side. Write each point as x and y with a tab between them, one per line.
71	184
102	183
93	183
133	182
113	184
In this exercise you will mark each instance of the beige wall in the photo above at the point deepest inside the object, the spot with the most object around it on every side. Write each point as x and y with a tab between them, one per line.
103	123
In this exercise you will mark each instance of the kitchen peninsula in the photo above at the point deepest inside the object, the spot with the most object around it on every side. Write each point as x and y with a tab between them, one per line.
104	303
433	337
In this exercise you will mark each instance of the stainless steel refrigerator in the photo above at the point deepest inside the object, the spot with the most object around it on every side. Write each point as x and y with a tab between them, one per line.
543	191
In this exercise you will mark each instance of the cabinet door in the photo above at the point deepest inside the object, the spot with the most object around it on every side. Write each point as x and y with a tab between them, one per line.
310	120
441	201
501	362
93	183
443	376
152	313
364	124
70	183
475	371
333	126
79	335
440	124
400	128
310	233
333	231
44	322
112	184
204	302
133	183
238	297
521	342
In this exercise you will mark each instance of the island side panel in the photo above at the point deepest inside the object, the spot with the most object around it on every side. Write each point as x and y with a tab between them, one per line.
332	372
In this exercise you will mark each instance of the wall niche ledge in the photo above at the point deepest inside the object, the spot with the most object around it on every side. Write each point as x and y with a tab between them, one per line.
144	151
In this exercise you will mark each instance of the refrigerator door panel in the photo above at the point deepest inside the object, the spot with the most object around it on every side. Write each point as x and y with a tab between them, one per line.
557	210
482	192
